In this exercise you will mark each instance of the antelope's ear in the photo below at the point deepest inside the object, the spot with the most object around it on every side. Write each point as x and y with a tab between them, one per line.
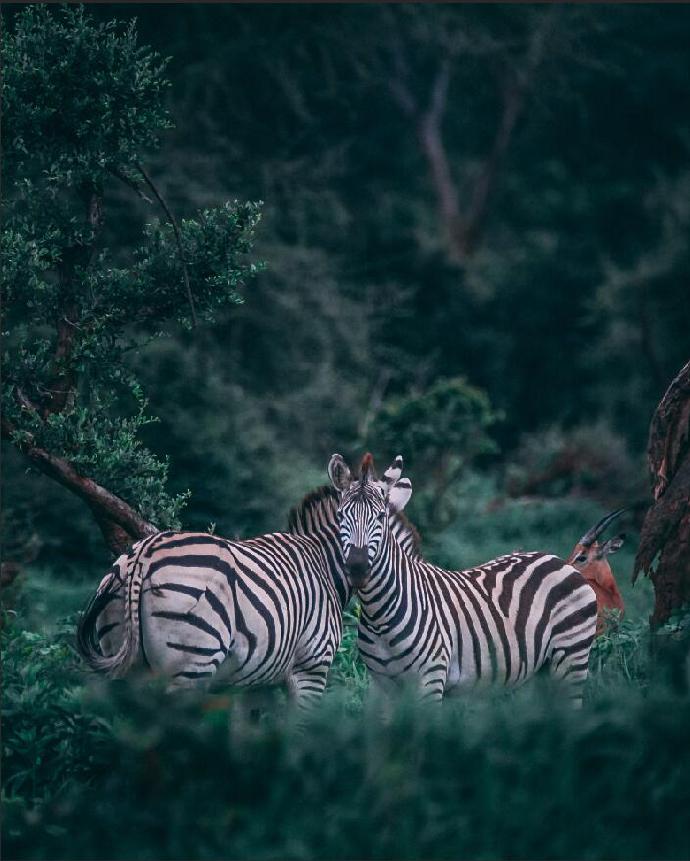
339	473
399	495
613	545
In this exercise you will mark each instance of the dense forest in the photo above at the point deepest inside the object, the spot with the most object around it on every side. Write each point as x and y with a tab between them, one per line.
240	238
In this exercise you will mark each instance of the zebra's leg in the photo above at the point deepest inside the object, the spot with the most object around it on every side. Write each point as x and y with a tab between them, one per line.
570	668
306	685
432	691
382	694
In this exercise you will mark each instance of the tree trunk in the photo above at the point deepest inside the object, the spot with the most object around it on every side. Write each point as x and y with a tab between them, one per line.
120	524
664	552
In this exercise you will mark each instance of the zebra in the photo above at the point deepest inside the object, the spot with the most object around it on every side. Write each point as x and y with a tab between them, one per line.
261	611
442	630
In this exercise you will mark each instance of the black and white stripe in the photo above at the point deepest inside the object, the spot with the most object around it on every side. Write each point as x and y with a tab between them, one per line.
442	629
260	611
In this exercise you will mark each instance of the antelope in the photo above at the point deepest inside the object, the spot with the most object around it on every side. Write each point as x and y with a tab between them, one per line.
589	557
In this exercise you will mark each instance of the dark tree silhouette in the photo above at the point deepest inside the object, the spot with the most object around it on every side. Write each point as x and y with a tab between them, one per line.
664	552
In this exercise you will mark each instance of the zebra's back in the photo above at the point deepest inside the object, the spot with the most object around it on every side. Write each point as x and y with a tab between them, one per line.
498	622
512	614
262	609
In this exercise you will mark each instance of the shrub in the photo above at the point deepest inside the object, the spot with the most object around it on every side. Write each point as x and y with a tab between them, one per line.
439	431
589	460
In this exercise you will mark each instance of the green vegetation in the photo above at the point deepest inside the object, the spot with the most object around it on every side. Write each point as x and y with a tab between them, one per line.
83	103
118	770
476	231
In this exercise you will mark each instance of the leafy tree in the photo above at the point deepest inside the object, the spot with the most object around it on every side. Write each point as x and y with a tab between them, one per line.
440	430
82	102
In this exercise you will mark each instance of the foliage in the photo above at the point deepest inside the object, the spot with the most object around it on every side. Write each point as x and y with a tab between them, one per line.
48	742
572	307
82	103
439	431
590	460
78	97
196	778
570	313
620	656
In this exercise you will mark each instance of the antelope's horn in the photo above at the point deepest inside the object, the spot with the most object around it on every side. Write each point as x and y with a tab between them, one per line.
592	534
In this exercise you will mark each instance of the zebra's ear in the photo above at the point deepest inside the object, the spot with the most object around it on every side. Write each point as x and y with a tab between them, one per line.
339	473
394	471
399	495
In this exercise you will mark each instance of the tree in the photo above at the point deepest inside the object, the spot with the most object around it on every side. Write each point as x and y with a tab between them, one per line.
665	536
439	431
82	102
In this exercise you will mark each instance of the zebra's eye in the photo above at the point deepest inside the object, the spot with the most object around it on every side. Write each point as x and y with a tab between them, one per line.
380	516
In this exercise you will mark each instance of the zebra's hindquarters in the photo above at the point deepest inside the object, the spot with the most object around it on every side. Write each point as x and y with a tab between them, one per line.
513	616
187	609
572	629
184	604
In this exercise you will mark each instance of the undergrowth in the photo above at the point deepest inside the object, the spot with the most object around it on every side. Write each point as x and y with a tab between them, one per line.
119	770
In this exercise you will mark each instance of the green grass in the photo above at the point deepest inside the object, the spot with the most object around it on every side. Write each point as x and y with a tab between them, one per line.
96	769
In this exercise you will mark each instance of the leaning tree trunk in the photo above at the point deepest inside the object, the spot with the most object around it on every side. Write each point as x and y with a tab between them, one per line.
120	524
664	552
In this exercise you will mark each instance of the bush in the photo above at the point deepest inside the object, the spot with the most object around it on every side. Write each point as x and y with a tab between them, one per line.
49	742
487	775
439	431
591	460
434	785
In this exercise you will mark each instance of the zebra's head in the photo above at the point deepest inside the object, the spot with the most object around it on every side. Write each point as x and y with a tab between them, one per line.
364	509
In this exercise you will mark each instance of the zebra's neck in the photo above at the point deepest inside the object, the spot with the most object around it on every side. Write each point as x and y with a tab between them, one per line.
314	518
392	585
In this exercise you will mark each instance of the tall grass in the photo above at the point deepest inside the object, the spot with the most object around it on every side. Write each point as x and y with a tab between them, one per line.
119	770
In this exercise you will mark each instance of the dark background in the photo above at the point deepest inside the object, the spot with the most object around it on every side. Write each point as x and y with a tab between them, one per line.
571	311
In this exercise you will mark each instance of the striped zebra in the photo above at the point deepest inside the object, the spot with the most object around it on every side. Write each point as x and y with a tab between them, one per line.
439	629
262	611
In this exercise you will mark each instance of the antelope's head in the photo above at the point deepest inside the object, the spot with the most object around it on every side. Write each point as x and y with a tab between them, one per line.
590	557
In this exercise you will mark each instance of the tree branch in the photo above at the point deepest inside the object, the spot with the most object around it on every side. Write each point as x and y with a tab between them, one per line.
463	229
430	136
119	522
118	174
397	83
178	239
63	380
514	100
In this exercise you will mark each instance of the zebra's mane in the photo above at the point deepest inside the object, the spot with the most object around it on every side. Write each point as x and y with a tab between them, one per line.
325	497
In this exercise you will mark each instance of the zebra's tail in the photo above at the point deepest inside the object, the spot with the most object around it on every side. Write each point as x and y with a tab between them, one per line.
128	570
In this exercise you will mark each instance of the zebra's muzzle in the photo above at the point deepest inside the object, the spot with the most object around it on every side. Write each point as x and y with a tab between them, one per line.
357	565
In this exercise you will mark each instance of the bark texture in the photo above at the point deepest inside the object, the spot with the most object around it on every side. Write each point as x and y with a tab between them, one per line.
664	552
